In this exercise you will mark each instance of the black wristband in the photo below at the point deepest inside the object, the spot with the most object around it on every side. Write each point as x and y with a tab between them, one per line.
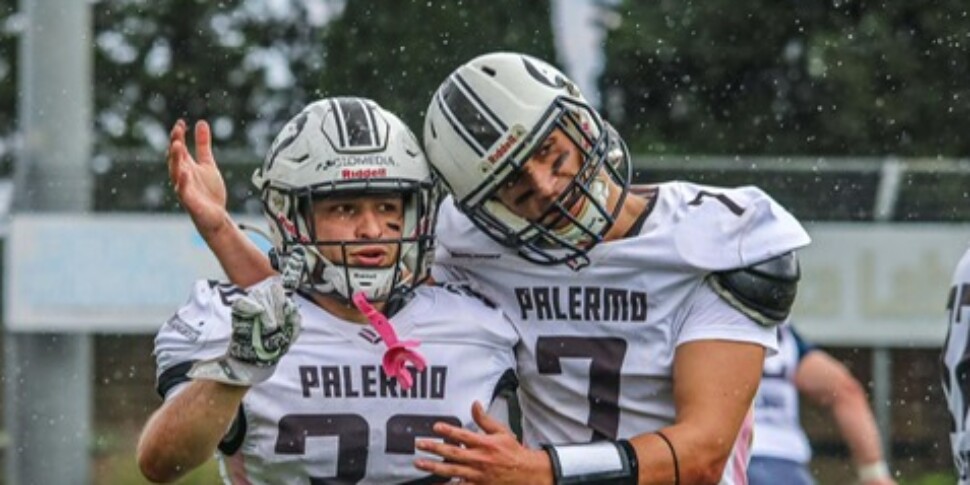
673	456
631	458
601	462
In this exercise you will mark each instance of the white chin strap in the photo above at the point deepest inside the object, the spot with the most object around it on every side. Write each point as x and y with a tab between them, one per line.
375	283
591	218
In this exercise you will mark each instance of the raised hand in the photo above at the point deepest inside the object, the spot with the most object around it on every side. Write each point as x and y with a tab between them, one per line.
197	181
265	323
493	456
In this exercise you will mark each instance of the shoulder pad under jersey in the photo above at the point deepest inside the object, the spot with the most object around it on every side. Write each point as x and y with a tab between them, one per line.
764	291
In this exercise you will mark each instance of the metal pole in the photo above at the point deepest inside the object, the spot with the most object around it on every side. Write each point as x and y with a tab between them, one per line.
887	194
882	396
47	387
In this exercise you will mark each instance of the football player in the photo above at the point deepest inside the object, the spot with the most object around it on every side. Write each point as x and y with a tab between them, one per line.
956	368
290	389
780	447
644	317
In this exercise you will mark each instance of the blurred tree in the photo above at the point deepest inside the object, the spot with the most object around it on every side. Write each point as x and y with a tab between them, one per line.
399	52
9	27
248	66
243	66
827	78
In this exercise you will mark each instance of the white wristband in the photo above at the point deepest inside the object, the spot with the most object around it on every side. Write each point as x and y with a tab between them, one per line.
874	471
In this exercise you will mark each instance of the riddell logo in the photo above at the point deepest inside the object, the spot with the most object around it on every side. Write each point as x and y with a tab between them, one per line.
504	147
363	173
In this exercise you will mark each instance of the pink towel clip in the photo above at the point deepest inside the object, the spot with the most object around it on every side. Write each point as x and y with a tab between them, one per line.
398	353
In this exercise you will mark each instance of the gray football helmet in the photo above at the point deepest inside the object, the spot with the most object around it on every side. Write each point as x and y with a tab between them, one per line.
483	125
349	145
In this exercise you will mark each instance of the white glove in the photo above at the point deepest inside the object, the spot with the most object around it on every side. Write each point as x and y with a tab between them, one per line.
265	323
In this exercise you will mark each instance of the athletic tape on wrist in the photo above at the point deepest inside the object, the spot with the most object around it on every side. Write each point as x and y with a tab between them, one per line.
605	462
873	471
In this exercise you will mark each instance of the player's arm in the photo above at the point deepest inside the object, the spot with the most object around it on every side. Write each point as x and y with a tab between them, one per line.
827	383
243	262
716	373
184	432
202	192
715	380
714	384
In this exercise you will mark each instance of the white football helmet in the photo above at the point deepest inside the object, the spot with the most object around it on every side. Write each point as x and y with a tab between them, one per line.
483	125
349	145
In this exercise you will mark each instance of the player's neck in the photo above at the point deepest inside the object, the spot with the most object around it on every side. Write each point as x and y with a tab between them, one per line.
633	207
344	310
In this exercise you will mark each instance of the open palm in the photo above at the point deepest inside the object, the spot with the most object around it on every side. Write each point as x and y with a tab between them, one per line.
197	181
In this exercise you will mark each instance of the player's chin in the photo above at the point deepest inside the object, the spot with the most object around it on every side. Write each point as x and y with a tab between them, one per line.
561	220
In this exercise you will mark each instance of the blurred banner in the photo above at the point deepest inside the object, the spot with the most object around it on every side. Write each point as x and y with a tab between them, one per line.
124	273
862	283
878	284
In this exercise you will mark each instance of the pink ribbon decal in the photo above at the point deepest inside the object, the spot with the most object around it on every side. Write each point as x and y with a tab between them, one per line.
398	353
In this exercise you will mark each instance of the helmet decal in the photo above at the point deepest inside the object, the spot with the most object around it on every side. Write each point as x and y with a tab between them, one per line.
286	138
557	81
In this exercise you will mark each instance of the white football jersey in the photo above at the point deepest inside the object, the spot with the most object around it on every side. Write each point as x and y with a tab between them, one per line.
778	430
956	368
329	414
598	342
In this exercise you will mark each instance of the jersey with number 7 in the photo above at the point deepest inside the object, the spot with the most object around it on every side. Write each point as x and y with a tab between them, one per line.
598	338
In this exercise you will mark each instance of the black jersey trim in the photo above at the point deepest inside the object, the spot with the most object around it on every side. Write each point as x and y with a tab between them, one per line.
233	439
173	376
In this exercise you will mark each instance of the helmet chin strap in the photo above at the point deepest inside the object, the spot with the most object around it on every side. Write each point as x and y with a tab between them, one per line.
345	281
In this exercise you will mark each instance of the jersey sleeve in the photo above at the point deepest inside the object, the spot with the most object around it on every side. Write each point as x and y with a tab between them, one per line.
730	228
447	232
708	317
803	346
199	330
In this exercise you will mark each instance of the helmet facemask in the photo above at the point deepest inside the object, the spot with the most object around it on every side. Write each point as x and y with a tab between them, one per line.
297	227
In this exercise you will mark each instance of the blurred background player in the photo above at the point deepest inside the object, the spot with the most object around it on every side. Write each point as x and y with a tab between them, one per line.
781	449
955	366
345	185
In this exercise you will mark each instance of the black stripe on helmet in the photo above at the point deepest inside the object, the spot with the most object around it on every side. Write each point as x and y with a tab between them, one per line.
339	119
358	124
472	122
375	128
502	127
